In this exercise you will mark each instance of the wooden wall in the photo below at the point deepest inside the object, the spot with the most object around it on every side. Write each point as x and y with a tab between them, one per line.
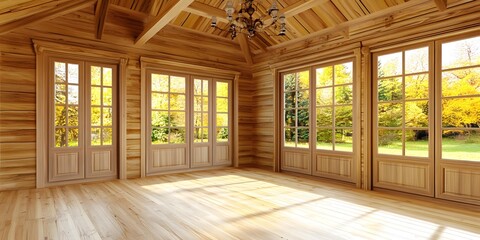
421	22
17	81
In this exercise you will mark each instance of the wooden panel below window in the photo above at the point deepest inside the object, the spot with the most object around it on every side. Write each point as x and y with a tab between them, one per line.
296	162
334	166
405	176
460	182
167	159
66	166
201	156
222	155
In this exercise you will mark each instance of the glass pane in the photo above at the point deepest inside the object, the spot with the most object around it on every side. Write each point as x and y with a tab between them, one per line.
96	75
343	94
303	137
222	89
107	136
461	82
205	104
205	134
197	104
390	142
177	119
205	120
416	60
303	118
60	137
324	76
343	116
222	119
73	73
73	94
73	137
416	143
324	117
290	137
390	89
324	96
96	94
95	116
177	135
222	134
324	139
159	135
343	140
290	118
461	112
60	116
72	116
60	72
177	102
222	104
197	87
197	120
177	84
159	83
159	119
461	145
290	99
160	101
205	88
60	94
416	86
197	135
107	96
416	114
343	73
95	138
390	65
303	99
107	116
461	53
289	82
107	78
390	114
303	80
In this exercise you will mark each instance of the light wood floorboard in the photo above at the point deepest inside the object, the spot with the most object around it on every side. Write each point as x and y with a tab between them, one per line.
228	204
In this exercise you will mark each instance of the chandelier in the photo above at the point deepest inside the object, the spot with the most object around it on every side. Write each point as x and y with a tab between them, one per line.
245	23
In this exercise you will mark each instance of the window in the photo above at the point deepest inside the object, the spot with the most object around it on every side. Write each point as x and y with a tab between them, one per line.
168	109
222	111
101	102
403	103
460	100
201	111
296	89
334	107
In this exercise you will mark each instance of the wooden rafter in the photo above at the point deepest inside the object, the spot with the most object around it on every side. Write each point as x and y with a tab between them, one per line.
301	6
243	41
345	25
161	20
441	4
207	11
100	16
54	12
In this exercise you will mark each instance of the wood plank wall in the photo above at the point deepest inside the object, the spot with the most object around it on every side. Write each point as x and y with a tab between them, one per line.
17	82
423	23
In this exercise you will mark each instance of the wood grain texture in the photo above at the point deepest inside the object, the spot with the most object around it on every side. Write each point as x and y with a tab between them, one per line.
228	204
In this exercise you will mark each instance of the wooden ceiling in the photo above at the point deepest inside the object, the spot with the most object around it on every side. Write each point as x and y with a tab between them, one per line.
305	18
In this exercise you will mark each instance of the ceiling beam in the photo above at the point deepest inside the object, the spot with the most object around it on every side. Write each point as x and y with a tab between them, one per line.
207	11
243	41
54	12
100	16
345	25
441	4
161	21
301	6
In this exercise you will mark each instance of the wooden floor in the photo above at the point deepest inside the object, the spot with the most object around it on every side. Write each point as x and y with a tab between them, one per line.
227	204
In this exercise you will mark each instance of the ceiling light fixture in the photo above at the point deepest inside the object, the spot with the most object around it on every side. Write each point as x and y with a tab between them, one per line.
246	23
